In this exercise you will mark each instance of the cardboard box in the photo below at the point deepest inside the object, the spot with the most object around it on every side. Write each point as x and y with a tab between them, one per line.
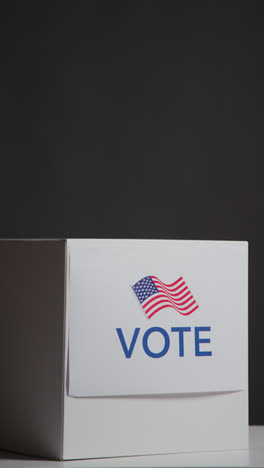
123	347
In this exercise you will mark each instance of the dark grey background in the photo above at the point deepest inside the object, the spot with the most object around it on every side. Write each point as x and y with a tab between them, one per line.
136	119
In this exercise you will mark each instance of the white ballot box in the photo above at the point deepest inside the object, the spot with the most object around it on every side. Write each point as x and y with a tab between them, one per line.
123	347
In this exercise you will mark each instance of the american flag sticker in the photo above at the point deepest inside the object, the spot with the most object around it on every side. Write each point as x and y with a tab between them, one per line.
154	295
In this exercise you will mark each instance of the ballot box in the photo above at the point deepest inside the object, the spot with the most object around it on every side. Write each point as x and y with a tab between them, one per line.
119	347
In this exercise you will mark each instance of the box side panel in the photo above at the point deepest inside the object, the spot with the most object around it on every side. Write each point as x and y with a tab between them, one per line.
31	346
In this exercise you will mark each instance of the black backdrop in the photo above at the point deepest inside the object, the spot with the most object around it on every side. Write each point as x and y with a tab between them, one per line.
138	120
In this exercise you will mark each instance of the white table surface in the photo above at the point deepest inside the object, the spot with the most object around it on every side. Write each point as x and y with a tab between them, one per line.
254	457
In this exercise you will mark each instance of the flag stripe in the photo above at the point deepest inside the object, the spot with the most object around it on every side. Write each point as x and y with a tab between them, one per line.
168	305
167	285
173	305
174	292
167	299
177	296
170	290
177	303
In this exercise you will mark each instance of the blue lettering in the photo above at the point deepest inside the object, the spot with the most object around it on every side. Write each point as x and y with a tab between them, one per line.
181	330
199	340
166	342
128	351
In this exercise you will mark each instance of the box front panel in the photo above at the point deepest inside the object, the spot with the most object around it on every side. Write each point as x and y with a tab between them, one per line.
181	378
